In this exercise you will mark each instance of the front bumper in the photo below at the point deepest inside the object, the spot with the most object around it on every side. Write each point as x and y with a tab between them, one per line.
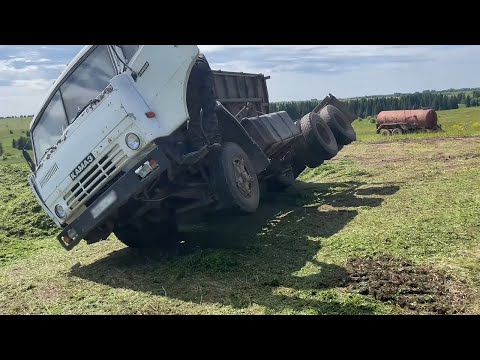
113	198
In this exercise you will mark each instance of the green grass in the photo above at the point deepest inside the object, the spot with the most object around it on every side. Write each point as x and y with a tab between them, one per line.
22	221
459	122
17	126
416	200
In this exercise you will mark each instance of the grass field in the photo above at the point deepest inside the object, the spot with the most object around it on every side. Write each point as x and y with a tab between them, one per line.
460	122
387	227
18	127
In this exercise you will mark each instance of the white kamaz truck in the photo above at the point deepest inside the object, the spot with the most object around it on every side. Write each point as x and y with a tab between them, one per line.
110	155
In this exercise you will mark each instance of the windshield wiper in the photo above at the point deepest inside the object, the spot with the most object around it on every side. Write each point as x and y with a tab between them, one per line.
46	152
91	102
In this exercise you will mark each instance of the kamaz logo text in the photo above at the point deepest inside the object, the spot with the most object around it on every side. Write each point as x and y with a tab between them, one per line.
82	166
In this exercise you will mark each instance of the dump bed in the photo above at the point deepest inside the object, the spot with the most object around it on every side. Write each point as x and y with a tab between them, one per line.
242	94
246	95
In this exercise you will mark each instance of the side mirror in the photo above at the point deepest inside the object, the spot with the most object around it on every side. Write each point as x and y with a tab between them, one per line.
28	159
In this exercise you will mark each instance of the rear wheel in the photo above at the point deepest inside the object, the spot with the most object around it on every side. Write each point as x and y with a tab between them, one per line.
282	181
385	132
337	121
319	140
234	179
397	131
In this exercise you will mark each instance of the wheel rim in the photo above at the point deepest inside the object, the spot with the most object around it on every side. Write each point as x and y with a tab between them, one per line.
243	179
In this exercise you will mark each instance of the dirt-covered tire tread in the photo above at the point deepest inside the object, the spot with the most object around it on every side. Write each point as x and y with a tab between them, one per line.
321	146
224	182
337	121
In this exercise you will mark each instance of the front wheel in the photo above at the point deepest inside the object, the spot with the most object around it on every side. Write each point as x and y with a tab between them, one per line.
385	132
234	179
143	234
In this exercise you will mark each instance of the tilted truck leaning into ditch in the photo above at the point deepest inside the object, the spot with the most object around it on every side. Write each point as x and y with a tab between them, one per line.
110	155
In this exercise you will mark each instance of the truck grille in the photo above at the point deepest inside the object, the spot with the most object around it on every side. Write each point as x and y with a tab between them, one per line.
99	174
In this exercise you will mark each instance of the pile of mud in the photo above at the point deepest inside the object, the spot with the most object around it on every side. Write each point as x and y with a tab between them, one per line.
415	288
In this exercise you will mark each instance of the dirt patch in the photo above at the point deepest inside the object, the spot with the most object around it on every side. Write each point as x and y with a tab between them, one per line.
47	293
416	288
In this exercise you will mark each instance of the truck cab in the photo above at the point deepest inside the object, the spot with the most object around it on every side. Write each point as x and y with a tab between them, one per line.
110	155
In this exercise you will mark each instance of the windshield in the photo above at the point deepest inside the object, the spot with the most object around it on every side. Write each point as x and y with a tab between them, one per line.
129	51
51	127
84	84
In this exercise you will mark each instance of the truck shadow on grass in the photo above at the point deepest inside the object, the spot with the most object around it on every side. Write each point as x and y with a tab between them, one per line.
266	259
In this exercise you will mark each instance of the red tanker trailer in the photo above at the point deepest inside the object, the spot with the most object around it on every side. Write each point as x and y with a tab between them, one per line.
402	121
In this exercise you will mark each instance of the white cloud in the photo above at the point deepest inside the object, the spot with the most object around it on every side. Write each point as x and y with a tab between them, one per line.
20	100
33	84
297	71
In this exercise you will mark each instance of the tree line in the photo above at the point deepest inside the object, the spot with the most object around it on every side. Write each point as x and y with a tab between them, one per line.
14	116
364	107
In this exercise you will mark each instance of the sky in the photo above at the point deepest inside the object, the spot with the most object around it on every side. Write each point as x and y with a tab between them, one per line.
298	72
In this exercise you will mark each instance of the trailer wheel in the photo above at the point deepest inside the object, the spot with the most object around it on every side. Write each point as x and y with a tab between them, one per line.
320	141
385	132
337	121
161	235
234	179
397	131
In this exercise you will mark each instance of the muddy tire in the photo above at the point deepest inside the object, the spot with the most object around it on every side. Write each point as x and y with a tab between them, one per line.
234	180
319	139
337	121
397	131
162	235
385	132
282	181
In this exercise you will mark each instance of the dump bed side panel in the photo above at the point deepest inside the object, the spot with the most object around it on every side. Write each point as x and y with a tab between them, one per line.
242	94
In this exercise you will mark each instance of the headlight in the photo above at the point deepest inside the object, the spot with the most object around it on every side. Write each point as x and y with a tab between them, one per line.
133	141
60	211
